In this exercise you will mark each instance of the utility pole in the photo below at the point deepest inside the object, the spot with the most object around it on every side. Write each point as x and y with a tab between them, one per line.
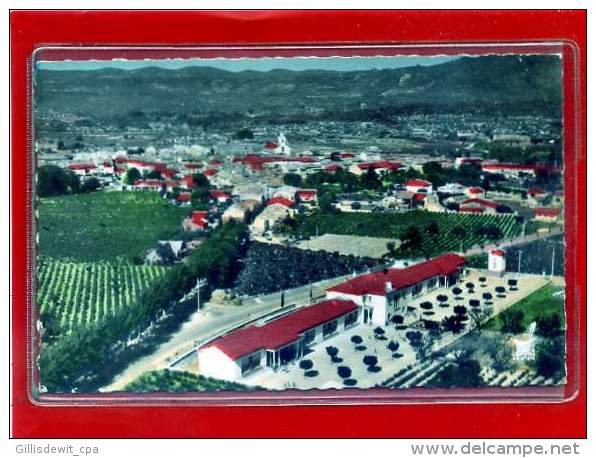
310	294
552	263
200	283
519	256
282	300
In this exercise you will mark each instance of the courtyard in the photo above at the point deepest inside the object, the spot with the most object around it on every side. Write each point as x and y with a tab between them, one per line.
383	363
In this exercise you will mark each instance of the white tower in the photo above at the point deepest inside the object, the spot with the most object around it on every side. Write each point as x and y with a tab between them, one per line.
496	262
282	145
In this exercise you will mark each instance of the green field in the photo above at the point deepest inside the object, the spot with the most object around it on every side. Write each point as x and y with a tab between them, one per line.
394	225
105	225
540	303
178	382
75	294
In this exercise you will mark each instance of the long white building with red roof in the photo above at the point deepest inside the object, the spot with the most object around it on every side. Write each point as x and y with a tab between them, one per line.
277	342
389	292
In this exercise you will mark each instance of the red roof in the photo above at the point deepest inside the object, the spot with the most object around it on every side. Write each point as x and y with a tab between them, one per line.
82	166
184	197
333	168
149	183
306	194
193	165
281	331
419	196
476	190
199	218
535	192
471	210
379	165
210	172
418	183
189	181
271	145
374	283
497	252
346	155
545	211
216	162
216	194
256	161
480	202
279	200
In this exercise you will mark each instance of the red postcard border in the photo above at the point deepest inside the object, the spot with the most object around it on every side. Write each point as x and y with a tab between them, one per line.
34	29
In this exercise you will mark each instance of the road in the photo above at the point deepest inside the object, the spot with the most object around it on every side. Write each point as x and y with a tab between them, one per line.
209	322
512	242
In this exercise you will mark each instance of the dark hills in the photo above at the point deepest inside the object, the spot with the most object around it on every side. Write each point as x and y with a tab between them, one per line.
511	84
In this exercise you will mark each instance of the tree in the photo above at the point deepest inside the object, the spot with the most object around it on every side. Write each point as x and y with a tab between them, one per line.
370	360
501	354
488	297
397	320
461	311
370	179
433	229
474	303
464	373
453	324
470	287
512	321
90	185
332	351
482	281
131	176
306	364
480	316
459	231
344	372
244	134
356	340
550	358
426	305
379	330
393	346
152	174
54	181
512	282
500	291
548	326
457	292
200	180
292	179
412	238
442	298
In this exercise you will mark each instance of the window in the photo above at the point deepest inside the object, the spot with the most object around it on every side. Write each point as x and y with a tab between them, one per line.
329	328
309	336
351	319
251	362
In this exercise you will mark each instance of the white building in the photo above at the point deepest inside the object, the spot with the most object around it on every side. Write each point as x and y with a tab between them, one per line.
496	263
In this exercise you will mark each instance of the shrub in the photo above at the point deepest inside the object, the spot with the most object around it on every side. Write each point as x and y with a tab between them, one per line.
356	339
306	364
397	319
311	373
414	336
344	371
431	324
550	358
512	321
474	303
453	324
460	309
393	346
548	326
350	382
370	360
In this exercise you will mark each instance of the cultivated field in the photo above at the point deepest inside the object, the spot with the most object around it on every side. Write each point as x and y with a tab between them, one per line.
76	294
455	231
105	225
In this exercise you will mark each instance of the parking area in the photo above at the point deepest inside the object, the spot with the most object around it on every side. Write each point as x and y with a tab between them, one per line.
324	371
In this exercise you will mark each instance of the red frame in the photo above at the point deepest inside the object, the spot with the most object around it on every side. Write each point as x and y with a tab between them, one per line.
32	29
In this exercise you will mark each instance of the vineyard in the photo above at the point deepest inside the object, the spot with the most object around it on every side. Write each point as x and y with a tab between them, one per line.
105	225
79	293
454	232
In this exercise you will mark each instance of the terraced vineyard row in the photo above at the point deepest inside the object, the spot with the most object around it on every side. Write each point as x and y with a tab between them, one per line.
80	293
394	225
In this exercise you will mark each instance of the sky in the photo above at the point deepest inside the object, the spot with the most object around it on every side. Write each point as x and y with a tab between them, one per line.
260	64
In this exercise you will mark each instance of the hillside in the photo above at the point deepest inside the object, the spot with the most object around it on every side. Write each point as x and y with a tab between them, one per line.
522	84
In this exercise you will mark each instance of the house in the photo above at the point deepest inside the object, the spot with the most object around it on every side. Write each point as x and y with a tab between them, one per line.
487	206
417	185
277	342
547	214
377	166
184	198
451	188
390	292
459	161
497	264
272	214
474	192
82	168
332	168
306	195
237	212
209	172
510	170
197	221
219	196
282	201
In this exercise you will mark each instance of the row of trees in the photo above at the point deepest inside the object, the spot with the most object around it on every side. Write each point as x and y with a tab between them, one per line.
55	181
89	357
